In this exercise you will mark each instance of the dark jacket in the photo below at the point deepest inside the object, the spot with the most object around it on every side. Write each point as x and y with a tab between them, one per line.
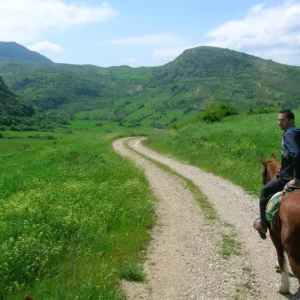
290	154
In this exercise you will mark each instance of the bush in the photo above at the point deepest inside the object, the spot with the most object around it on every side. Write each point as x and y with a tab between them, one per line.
261	110
217	112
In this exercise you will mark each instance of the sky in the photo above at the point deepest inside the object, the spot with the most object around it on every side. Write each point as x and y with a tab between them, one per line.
151	32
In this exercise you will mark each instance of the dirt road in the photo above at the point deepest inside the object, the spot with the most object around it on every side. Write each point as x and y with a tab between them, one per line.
184	258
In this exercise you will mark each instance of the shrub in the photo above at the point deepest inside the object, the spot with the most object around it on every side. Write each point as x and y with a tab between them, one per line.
261	110
217	112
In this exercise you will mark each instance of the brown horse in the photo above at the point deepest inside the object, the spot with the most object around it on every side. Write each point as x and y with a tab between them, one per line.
285	231
271	168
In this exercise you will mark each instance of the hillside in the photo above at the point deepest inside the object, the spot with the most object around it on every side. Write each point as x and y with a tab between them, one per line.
203	62
13	110
10	51
156	96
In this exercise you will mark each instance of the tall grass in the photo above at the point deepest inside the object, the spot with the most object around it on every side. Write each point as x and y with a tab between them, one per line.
230	148
73	220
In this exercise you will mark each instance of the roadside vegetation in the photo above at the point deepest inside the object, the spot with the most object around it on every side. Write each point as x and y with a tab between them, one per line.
74	218
75	215
230	148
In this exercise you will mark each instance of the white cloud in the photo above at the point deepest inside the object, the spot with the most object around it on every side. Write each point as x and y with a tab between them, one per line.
130	60
266	31
46	47
257	8
22	21
151	39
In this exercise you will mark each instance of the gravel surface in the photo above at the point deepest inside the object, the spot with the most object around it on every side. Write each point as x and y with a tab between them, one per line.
184	259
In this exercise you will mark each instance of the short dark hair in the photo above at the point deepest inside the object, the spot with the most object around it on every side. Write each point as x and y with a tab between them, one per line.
289	114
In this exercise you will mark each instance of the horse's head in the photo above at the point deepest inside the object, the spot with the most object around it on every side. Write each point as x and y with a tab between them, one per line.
271	168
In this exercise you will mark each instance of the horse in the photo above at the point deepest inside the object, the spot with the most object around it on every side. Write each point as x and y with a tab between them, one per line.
285	230
271	168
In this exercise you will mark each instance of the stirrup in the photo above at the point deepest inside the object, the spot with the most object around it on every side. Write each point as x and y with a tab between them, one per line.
259	229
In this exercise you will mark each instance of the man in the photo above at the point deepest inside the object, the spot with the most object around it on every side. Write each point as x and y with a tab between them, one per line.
290	167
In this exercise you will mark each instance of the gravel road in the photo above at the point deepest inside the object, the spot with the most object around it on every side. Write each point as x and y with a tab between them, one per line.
184	259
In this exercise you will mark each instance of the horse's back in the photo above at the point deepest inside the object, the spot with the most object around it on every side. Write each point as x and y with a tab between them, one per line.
289	214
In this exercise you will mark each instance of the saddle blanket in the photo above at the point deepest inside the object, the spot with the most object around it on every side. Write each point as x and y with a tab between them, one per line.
273	206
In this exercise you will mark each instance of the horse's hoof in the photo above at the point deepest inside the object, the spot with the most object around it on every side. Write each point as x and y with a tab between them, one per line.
277	269
283	291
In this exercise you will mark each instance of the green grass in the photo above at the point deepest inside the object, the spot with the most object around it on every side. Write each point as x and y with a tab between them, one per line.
95	113
230	245
10	145
140	114
18	141
91	127
230	148
74	220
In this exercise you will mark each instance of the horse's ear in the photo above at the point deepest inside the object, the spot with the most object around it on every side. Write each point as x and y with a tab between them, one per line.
273	156
263	160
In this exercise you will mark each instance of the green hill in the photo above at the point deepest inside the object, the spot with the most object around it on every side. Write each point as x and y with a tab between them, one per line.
11	51
156	96
13	109
203	62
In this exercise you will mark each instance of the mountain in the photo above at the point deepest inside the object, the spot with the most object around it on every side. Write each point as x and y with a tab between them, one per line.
155	96
203	62
13	52
13	109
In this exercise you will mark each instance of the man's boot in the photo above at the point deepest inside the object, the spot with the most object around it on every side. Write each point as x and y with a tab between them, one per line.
261	224
260	228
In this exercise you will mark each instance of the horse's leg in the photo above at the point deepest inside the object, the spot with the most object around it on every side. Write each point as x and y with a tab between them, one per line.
285	281
292	248
295	266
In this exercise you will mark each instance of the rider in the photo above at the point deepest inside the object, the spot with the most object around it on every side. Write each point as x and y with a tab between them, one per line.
290	167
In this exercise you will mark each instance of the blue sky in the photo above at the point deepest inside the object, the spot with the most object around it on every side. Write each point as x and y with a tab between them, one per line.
150	33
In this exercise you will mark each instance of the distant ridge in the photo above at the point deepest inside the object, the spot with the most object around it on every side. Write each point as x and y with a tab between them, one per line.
14	52
156	96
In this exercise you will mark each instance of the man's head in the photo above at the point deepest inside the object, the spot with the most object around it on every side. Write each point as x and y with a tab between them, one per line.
286	118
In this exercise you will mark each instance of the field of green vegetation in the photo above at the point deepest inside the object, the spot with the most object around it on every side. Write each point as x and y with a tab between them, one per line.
74	216
230	148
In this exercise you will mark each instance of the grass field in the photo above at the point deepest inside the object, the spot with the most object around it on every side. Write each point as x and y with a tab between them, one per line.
74	217
230	148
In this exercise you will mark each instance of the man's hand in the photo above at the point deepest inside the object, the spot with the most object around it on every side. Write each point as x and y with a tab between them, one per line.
291	182
295	182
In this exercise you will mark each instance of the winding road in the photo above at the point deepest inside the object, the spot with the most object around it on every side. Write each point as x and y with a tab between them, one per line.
184	257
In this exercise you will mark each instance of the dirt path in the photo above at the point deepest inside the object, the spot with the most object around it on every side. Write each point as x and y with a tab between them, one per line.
184	256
